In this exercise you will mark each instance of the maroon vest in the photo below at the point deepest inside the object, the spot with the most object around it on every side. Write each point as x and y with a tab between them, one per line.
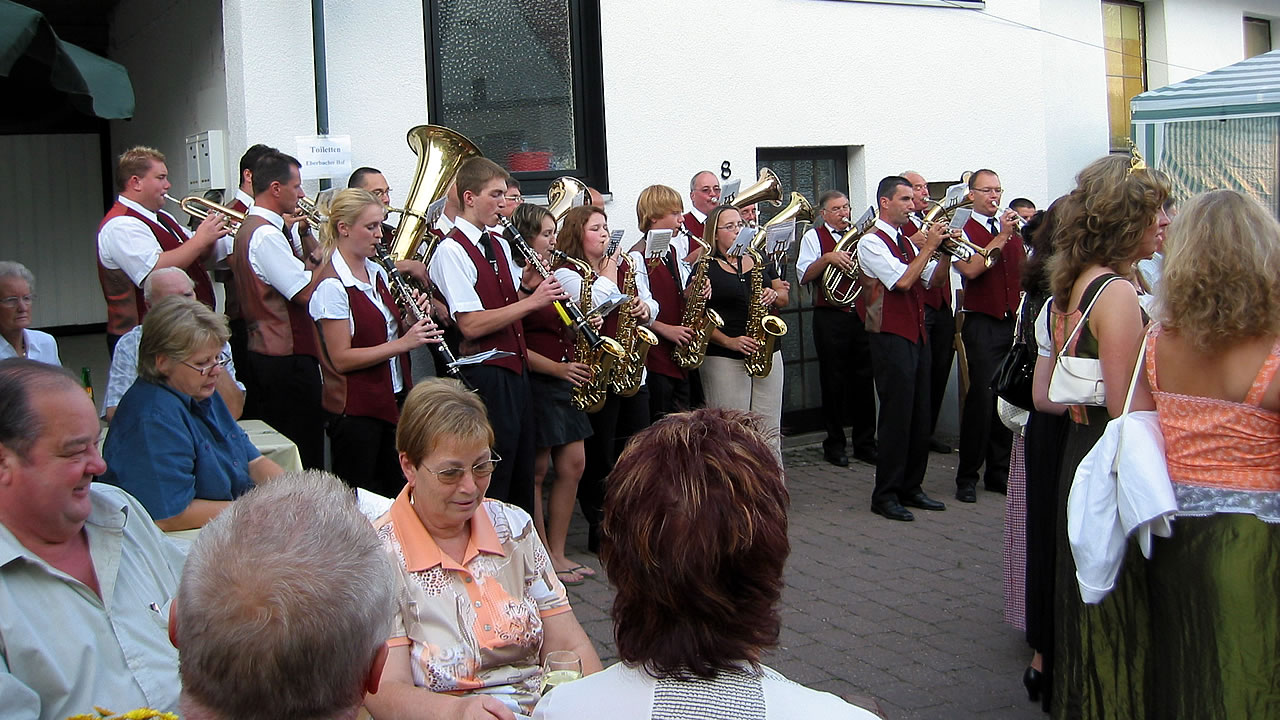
665	288
900	312
996	291
693	225
366	392
125	305
276	325
495	290
826	243
228	277
547	335
939	295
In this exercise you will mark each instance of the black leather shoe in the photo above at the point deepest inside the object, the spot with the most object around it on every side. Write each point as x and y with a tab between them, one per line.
966	493
869	456
939	447
919	500
1031	681
838	459
892	510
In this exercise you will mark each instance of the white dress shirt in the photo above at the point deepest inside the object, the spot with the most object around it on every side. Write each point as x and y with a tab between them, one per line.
444	224
698	215
877	260
272	258
453	273
330	302
40	347
124	368
603	288
985	221
811	248
226	243
126	243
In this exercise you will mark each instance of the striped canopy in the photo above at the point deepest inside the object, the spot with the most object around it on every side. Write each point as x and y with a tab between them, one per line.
1249	88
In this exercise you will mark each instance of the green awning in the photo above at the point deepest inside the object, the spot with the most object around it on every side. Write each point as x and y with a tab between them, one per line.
93	84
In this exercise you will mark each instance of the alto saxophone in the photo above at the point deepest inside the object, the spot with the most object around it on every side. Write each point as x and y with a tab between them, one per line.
590	396
764	328
635	340
697	316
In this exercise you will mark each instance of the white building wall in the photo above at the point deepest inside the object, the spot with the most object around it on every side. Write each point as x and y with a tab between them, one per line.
174	53
1186	38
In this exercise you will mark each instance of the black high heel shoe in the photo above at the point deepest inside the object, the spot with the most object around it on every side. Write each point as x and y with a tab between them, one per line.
1031	681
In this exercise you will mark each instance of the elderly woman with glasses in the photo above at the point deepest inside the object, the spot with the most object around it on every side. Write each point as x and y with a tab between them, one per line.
480	604
173	444
17	296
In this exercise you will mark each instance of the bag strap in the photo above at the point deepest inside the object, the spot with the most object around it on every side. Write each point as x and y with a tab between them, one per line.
1085	315
1128	400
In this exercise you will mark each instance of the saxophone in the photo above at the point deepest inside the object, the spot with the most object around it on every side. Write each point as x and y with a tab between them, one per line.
764	328
697	316
635	340
590	396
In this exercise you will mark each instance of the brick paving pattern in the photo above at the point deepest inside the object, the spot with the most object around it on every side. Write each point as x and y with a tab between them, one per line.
903	615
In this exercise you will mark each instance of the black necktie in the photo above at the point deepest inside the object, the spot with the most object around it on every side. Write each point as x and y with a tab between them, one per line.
995	227
902	245
486	244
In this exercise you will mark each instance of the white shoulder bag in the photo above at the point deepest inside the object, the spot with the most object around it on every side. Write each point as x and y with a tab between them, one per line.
1076	380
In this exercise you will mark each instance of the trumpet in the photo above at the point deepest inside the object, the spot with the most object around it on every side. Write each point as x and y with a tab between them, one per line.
199	207
963	250
310	212
1018	222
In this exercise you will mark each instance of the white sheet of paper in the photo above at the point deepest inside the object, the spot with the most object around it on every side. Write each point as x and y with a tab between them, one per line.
481	357
866	216
729	190
656	243
960	218
615	239
741	243
778	238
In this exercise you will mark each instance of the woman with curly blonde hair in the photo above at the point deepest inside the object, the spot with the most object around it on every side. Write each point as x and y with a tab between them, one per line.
1113	218
1211	366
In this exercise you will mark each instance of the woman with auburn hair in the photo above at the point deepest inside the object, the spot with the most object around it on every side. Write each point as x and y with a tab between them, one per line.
1113	218
696	530
480	605
1211	365
366	346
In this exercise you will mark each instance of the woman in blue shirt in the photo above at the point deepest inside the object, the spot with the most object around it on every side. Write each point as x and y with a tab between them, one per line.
173	444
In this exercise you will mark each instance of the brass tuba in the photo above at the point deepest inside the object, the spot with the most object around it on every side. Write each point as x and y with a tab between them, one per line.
440	152
768	188
561	193
198	207
798	209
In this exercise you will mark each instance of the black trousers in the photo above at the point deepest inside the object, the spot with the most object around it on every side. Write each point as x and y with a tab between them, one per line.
847	380
611	429
239	342
363	453
666	395
287	390
902	380
983	438
941	326
508	398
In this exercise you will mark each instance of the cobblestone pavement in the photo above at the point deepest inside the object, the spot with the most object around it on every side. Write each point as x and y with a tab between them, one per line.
906	615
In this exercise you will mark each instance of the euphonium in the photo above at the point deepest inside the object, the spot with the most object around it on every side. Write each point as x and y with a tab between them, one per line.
560	196
635	341
199	207
697	316
591	395
440	152
798	209
764	328
841	287
766	189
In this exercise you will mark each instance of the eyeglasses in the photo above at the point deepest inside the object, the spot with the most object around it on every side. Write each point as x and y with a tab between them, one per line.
222	361
381	193
453	475
16	300
732	226
837	208
514	198
988	191
714	190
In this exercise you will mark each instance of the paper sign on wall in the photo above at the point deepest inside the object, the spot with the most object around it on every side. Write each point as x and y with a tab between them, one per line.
324	156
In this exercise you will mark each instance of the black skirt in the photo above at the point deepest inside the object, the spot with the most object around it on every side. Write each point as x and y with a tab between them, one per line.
558	423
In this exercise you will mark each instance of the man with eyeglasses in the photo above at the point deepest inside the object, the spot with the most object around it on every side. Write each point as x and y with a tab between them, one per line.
704	193
990	302
844	354
375	183
161	284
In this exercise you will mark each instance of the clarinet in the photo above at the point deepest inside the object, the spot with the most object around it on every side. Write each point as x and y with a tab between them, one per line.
569	312
400	289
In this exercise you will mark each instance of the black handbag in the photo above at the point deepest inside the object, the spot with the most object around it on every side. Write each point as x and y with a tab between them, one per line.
1013	380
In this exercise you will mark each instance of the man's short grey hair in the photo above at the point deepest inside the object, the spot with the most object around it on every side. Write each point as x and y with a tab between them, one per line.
285	599
9	268
693	181
20	381
158	273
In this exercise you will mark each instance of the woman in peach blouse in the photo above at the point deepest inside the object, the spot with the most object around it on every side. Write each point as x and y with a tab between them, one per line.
1211	365
480	604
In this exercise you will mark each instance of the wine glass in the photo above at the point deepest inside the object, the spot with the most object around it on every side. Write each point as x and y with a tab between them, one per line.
560	667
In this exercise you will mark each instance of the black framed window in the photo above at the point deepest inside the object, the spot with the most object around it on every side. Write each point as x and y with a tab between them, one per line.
521	79
809	171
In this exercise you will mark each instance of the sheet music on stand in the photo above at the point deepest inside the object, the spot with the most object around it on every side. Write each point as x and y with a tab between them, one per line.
742	243
729	190
656	243
954	193
778	238
615	239
862	219
610	304
433	212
